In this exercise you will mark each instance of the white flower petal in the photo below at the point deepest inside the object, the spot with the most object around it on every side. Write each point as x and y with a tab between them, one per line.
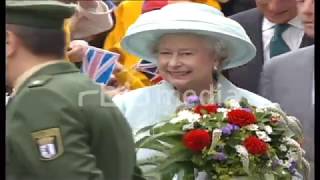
232	103
242	150
268	129
186	115
252	127
188	127
222	110
283	148
244	157
263	136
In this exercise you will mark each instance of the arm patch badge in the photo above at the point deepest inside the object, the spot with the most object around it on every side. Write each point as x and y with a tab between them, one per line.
49	143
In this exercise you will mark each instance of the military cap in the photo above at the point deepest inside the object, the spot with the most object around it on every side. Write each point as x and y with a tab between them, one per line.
49	14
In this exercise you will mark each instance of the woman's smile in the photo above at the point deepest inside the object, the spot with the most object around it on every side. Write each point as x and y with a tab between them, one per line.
178	74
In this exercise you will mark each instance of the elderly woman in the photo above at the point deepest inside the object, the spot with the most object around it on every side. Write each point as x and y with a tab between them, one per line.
191	43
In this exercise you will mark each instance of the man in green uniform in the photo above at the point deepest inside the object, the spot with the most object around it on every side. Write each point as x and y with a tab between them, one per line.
60	126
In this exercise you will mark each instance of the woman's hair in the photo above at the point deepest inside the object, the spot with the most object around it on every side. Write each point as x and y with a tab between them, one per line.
218	47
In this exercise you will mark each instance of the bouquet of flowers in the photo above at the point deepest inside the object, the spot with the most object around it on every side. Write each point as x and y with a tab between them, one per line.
232	140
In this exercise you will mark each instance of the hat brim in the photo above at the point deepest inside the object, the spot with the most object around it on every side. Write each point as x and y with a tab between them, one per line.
141	40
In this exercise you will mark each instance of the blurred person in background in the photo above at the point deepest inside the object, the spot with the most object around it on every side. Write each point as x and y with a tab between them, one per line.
289	80
90	19
231	7
274	29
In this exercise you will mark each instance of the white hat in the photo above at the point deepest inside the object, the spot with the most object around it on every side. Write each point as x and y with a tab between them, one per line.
190	17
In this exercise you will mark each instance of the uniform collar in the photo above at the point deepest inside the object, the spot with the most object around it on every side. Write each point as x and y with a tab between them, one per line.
24	76
295	22
43	68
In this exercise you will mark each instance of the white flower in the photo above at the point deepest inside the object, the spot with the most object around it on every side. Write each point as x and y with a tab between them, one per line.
186	115
175	120
283	147
216	134
205	116
224	111
274	106
252	127
260	110
292	155
263	136
291	142
269	163
241	150
276	115
244	157
268	129
188	127
232	103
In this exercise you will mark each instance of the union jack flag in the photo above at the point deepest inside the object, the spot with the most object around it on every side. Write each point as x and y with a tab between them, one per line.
99	64
150	70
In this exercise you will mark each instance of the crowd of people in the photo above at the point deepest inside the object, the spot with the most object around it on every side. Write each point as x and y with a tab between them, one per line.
61	124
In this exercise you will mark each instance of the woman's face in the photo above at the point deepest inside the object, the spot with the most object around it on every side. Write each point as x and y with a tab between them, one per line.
185	60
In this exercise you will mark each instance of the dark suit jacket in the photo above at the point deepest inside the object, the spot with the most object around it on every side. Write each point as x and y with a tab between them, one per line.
248	75
235	6
287	79
90	137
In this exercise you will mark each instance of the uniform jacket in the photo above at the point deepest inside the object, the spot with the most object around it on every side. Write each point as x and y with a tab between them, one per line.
288	79
61	126
248	75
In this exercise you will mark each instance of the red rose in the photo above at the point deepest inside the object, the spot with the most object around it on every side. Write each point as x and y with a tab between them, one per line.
255	145
206	109
241	117
197	139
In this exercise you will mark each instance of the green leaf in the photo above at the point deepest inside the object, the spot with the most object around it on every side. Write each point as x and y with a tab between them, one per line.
264	120
144	129
169	165
168	127
158	146
197	159
144	142
174	140
154	160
